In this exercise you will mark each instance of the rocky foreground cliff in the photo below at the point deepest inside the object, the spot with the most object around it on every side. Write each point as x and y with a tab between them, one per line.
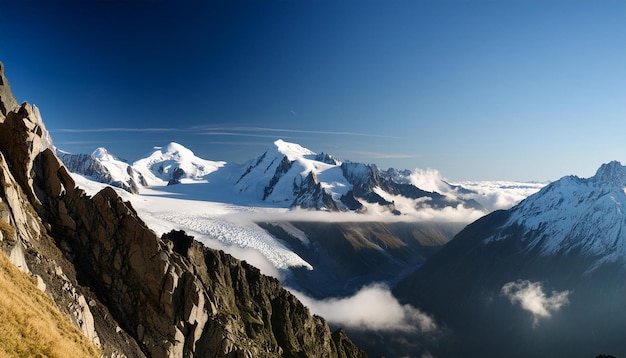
130	292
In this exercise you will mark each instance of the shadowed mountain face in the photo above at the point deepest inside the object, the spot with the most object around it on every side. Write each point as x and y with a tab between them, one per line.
130	292
545	278
348	256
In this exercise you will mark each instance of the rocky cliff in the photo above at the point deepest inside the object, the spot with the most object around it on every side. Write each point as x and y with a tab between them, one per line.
130	292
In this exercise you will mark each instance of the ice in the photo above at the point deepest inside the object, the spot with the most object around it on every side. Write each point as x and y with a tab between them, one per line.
208	221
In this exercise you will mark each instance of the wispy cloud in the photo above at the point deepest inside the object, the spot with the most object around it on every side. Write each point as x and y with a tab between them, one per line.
372	308
117	129
287	130
233	134
378	155
530	296
219	130
81	142
239	143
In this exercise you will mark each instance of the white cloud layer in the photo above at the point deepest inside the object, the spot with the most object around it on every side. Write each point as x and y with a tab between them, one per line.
493	195
496	195
428	179
530	296
372	308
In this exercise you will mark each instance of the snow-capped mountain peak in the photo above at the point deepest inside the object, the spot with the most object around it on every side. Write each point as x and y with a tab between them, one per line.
293	151
575	215
103	154
104	167
175	150
173	163
612	173
289	173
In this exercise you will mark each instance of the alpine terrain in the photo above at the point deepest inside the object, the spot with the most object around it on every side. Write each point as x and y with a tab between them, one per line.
129	291
322	256
395	227
286	175
545	278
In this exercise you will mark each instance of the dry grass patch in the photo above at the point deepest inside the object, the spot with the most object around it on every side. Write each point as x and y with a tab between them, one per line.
30	324
7	230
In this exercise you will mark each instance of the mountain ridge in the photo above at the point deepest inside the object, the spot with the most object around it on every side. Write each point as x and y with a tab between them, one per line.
291	176
564	209
544	278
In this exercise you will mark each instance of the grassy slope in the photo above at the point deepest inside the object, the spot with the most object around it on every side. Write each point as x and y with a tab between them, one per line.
30	324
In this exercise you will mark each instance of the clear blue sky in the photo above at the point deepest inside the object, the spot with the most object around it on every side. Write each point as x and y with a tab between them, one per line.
510	89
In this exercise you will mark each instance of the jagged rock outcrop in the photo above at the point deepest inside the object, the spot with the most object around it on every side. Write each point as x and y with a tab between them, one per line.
311	195
133	293
7	100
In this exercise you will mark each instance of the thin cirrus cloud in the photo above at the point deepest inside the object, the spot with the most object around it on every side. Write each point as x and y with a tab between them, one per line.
531	297
115	129
379	155
231	134
218	130
285	130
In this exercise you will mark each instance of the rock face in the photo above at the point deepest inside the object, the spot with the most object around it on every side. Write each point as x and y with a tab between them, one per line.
130	292
7	100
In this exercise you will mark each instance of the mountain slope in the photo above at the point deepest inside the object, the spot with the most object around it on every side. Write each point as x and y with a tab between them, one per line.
347	256
31	324
547	277
129	291
586	216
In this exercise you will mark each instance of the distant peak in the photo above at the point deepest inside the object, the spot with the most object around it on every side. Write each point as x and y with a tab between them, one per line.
102	154
173	147
291	150
612	172
179	149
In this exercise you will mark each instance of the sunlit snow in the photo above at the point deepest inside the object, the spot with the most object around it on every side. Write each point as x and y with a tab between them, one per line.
217	225
220	205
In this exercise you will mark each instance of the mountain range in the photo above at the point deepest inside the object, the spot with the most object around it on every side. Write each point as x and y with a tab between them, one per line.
285	175
321	258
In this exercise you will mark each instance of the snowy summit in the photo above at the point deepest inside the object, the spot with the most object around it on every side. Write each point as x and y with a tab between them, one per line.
173	164
586	216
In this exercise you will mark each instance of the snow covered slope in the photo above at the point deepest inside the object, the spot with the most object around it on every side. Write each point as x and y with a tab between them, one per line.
297	177
173	164
103	167
574	215
288	175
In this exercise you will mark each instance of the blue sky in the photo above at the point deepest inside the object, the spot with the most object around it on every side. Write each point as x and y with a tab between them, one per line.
511	89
